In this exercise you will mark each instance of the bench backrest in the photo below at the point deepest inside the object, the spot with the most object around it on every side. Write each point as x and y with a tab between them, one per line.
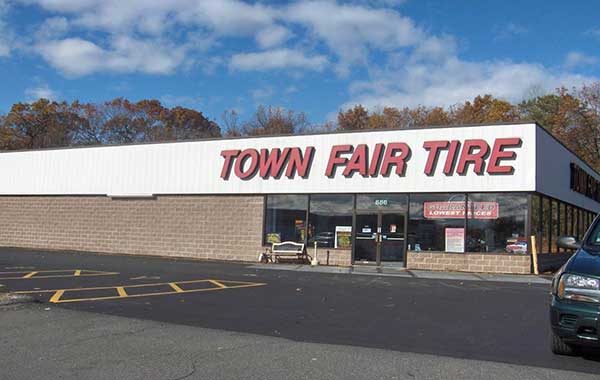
288	246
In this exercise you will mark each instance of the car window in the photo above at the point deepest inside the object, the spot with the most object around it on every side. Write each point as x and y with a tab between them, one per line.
594	238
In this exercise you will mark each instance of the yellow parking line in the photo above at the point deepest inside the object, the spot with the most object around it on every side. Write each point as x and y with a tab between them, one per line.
139	286
156	294
175	287
215	282
56	297
27	275
121	291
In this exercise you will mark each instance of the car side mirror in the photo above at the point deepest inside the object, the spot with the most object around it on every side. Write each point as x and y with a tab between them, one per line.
568	242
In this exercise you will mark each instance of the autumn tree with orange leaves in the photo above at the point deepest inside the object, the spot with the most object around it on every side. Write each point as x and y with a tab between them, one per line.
571	115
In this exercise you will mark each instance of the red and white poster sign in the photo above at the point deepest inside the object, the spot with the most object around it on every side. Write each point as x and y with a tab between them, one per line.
455	239
456	210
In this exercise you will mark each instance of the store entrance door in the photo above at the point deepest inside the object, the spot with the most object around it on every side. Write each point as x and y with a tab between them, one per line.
379	237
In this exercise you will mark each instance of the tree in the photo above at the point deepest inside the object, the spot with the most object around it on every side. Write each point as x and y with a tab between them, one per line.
186	124
41	124
353	119
584	135
274	121
231	122
484	109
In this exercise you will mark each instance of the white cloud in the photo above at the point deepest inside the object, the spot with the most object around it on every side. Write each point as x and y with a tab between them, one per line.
76	57
351	31
262	93
160	37
575	59
454	81
52	27
272	36
225	17
277	59
6	36
43	91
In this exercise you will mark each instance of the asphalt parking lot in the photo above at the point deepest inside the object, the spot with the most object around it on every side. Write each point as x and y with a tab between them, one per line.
488	321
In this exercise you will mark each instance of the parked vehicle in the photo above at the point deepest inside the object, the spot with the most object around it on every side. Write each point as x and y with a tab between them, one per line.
575	308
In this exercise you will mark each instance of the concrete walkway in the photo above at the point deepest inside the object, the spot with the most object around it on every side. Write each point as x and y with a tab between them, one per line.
401	272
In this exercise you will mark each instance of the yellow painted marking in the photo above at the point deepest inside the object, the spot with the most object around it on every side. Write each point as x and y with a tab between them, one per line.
215	282
121	291
176	288
58	293
24	275
43	271
137	286
56	297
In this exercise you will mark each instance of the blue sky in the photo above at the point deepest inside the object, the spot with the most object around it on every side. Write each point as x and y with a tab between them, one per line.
312	56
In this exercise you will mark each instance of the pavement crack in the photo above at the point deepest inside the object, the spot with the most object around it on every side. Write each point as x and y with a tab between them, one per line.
190	373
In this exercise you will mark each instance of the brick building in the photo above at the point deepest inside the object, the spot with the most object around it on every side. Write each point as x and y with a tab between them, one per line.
453	198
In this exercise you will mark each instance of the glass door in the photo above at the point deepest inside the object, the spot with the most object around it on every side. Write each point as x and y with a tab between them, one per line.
366	238
379	237
392	237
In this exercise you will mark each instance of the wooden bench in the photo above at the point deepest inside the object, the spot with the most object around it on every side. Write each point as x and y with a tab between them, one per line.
285	249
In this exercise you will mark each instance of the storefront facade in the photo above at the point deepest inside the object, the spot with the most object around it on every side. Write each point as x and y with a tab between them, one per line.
462	198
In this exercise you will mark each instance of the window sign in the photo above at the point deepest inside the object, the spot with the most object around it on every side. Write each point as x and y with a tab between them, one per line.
455	239
456	210
343	236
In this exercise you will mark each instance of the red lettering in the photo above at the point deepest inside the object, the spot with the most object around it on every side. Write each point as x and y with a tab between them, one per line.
271	164
467	156
434	148
299	163
246	154
358	162
391	159
451	157
375	160
499	154
228	155
335	160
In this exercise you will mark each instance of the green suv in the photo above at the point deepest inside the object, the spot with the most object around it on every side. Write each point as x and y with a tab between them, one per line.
575	308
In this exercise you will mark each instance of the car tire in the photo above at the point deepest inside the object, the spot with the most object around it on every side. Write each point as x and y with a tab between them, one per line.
561	348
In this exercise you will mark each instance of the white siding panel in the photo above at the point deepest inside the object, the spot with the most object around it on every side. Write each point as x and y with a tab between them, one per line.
554	172
194	167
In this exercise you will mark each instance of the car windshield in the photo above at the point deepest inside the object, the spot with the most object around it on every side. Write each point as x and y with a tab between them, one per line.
593	240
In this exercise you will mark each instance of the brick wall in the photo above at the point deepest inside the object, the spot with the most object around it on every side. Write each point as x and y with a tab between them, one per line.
340	257
470	262
205	227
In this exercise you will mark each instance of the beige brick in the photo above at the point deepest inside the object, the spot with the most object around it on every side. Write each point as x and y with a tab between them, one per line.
167	225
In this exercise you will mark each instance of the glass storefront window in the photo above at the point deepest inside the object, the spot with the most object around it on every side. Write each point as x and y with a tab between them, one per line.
577	226
286	218
546	217
437	222
382	202
496	223
581	223
569	219
330	220
555	227
536	220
